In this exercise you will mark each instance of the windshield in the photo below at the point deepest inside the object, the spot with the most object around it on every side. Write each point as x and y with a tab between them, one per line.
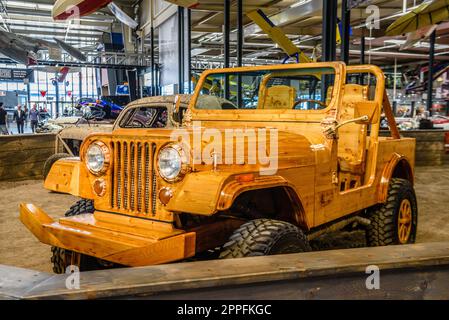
145	117
294	89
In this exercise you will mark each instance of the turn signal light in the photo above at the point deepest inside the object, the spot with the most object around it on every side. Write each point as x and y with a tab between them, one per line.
100	187
245	178
165	195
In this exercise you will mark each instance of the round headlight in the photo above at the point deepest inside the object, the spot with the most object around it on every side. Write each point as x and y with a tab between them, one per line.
97	157
172	163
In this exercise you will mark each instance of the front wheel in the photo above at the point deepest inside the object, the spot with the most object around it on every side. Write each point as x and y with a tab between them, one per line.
62	258
395	221
262	237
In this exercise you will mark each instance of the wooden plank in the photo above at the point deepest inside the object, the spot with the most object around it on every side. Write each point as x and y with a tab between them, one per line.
23	156
409	271
25	172
26	142
430	150
408	284
18	281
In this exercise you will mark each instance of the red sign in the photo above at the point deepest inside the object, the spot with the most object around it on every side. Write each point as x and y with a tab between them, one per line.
43	93
69	93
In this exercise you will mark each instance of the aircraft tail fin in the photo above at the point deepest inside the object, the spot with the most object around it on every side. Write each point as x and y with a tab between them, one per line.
122	16
63	74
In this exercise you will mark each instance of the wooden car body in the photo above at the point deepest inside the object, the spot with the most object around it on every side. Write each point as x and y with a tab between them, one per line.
323	174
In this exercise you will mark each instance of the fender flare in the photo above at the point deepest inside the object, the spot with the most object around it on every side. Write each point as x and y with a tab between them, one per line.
233	189
389	172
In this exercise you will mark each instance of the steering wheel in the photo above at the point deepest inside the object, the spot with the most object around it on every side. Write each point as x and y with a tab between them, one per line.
322	104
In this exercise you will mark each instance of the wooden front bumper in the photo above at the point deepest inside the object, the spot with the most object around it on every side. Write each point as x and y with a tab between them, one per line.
88	235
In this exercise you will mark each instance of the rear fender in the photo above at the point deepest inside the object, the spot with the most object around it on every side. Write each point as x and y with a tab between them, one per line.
398	167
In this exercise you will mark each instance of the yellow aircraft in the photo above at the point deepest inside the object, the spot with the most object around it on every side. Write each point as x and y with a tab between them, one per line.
253	11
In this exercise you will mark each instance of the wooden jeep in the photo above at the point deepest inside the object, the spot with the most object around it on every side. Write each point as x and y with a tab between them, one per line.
263	160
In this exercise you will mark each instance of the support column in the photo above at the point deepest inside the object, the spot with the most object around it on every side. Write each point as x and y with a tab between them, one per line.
153	70
346	26
362	49
328	41
239	33
80	82
329	34
189	49
29	94
226	42
430	73
132	82
180	50
362	56
94	92
239	50
57	95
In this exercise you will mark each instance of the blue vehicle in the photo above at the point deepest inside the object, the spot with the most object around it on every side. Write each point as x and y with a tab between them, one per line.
113	105
107	107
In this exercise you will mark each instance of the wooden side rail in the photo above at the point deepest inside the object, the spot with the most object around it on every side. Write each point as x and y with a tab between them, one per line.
22	157
406	272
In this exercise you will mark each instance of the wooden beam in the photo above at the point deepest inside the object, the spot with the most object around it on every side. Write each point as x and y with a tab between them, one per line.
330	274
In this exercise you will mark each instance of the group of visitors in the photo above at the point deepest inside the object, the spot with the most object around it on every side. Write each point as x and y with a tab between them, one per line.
21	118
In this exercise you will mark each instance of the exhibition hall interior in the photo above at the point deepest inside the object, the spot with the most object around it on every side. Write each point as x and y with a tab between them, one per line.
224	150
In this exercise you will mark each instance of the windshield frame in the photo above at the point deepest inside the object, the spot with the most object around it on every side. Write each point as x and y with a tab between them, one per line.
140	104
340	77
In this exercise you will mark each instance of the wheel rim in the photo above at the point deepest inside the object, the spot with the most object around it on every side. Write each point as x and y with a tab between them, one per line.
404	221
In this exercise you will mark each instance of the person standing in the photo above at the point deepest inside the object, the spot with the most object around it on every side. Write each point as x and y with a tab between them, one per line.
34	118
3	120
19	117
25	109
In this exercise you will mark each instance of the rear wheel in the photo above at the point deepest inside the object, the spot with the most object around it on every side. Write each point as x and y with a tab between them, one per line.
263	237
62	258
51	161
395	221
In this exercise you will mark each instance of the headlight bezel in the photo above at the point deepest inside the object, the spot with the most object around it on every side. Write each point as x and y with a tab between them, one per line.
184	165
106	155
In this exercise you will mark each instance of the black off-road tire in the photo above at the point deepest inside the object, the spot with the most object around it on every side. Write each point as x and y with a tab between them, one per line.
61	257
81	207
383	229
51	161
262	237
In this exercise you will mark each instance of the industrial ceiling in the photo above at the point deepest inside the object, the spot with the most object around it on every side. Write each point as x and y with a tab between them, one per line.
301	20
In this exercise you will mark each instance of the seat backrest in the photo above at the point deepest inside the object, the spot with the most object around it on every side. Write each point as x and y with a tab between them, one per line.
352	137
278	97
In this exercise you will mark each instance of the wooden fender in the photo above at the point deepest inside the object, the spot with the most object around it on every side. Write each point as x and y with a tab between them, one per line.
398	167
219	191
66	176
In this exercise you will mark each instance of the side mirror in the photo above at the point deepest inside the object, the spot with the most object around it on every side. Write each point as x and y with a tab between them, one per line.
330	131
368	109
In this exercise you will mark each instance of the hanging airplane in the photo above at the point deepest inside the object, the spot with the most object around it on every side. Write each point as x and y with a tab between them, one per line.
23	49
60	72
417	36
74	9
254	11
